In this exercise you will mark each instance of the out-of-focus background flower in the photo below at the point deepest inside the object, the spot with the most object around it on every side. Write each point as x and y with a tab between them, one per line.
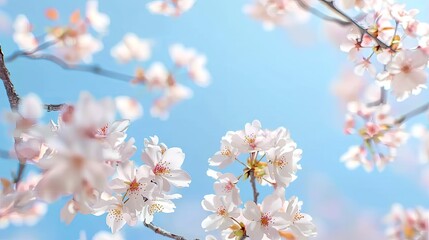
281	77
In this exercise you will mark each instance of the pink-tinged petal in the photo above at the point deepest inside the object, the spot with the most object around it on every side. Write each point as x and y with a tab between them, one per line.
208	203
175	157
115	220
68	212
178	178
254	230
251	211
212	222
271	204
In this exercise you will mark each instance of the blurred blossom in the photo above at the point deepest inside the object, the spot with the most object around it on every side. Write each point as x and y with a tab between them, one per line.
407	224
132	48
128	107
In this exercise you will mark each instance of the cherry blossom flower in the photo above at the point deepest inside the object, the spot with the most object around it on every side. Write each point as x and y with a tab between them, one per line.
135	183
132	48
226	155
224	210
117	216
226	185
250	139
128	108
172	96
381	136
407	224
265	219
74	49
23	35
299	224
157	76
20	206
408	74
283	164
99	21
166	166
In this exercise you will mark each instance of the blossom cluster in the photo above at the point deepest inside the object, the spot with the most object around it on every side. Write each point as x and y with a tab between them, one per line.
275	216
407	223
86	157
381	136
79	39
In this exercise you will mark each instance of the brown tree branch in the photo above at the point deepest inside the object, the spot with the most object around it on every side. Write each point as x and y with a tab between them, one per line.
13	102
8	85
163	232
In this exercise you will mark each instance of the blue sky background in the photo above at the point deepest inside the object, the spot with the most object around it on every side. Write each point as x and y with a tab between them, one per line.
256	75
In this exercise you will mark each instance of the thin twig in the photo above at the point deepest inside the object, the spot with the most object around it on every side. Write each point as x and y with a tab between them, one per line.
19	175
412	113
53	107
380	101
321	15
330	4
253	183
94	69
163	232
19	53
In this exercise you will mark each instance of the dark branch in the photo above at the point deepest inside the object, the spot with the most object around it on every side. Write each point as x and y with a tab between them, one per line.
163	232
255	191
53	107
330	4
321	15
8	85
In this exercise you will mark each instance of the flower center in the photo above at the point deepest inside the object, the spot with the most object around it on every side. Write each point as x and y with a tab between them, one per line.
221	211
250	139
298	216
228	187
226	152
154	208
134	186
266	220
406	69
161	169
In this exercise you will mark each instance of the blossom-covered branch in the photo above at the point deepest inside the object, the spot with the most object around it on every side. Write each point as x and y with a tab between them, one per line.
363	30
